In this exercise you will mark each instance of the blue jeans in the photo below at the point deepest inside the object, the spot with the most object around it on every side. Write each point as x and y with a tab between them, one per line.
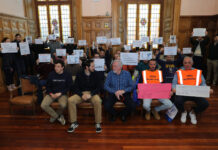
166	104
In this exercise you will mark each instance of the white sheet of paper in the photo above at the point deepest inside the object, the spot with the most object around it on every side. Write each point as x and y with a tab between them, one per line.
199	31
73	59
24	48
44	58
99	64
158	40
145	39
170	50
146	55
101	39
187	50
127	47
9	47
70	40
172	39
129	58
137	43
61	52
195	91
38	41
52	37
82	43
115	41
78	52
29	39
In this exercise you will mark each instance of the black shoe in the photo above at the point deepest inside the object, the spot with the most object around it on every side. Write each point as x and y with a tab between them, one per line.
98	128
112	118
123	118
72	127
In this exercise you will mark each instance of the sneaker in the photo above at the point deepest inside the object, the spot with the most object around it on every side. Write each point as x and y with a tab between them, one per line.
193	117
13	86
73	126
52	120
9	88
147	115
183	117
62	120
156	115
98	128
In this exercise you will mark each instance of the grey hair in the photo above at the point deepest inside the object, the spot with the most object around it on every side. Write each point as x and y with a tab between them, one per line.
189	58
119	62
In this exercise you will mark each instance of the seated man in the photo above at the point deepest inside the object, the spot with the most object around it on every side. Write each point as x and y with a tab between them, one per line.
86	88
119	84
58	84
153	76
189	76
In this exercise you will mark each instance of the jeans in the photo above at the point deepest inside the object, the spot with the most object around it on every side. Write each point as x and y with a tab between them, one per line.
166	104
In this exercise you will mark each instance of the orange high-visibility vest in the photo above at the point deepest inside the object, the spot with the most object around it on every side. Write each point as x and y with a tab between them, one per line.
152	76
189	77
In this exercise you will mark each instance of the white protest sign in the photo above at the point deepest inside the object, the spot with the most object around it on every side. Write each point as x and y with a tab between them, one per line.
73	59
129	58
61	52
99	64
172	39
29	39
70	40
127	47
170	50
38	41
115	41
146	55
158	40
194	91
137	43
9	47
145	39
24	48
101	39
82	43
52	37
199	31
44	58
187	50
78	52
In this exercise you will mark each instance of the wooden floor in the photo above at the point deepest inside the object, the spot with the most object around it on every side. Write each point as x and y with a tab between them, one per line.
27	132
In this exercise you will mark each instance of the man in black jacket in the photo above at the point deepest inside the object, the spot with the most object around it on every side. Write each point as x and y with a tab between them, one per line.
199	52
58	84
86	88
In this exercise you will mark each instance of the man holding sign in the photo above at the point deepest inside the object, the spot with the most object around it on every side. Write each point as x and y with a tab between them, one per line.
153	76
189	76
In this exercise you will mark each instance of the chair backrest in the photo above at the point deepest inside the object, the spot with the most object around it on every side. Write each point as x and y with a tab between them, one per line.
26	86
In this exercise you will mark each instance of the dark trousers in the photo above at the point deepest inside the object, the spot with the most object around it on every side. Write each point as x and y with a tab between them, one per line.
112	99
202	103
9	74
199	63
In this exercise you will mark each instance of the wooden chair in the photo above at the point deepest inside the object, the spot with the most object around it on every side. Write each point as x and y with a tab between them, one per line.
28	97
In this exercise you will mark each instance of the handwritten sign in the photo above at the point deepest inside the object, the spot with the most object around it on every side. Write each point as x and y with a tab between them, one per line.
72	59
154	91
101	39
29	39
127	47
52	37
187	50
44	58
145	39
146	55
137	43
115	41
170	50
24	48
38	41
70	40
99	64
158	40
9	47
82	43
199	31
61	52
129	58
172	39
78	52
194	91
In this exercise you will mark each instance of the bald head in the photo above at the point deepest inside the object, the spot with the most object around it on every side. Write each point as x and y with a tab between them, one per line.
187	63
